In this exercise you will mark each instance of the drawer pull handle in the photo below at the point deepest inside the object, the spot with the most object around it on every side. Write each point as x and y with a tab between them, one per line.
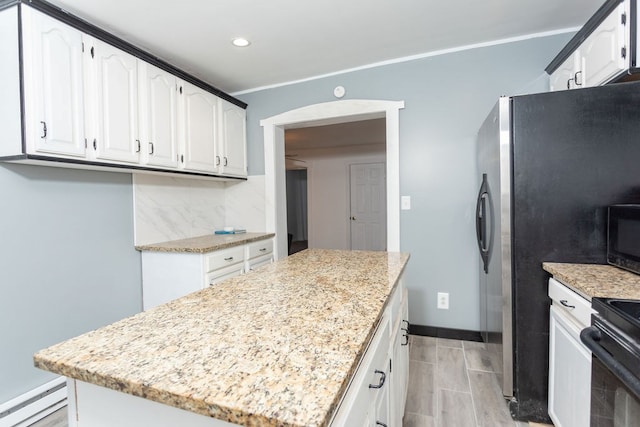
382	378
408	324
263	249
229	258
44	130
566	303
406	339
378	423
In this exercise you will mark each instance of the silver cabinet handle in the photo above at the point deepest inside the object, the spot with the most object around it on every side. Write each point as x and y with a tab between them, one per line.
383	377
378	423
137	145
217	160
229	258
44	130
151	149
406	339
225	161
566	303
263	249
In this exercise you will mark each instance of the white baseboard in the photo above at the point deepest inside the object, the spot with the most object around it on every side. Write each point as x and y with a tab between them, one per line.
34	405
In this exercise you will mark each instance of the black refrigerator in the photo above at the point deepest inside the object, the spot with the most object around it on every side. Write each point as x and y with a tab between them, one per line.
549	165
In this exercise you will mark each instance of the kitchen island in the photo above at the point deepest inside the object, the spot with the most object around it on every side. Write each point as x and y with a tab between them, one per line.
275	347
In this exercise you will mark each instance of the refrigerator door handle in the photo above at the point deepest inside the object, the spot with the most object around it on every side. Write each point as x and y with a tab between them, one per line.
481	223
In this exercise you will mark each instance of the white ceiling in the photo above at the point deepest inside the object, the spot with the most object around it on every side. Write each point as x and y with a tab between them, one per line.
297	39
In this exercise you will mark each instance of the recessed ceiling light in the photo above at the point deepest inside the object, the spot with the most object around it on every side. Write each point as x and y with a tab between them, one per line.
240	42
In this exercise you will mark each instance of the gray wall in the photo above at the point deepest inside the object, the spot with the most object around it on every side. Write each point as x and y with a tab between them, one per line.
446	99
67	262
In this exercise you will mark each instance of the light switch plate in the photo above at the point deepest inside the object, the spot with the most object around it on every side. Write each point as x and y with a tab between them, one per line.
405	203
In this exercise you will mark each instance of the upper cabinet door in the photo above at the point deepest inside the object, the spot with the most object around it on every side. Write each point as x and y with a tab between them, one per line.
565	76
116	104
53	85
234	139
604	53
159	124
200	131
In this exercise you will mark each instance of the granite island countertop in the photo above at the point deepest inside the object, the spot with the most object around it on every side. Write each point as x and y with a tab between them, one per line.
596	280
276	347
204	244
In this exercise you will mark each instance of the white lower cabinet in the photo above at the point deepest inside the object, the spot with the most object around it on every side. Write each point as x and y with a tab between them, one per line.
170	275
569	359
377	392
258	254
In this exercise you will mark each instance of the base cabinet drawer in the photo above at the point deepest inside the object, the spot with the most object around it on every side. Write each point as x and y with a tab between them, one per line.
217	276
224	258
170	275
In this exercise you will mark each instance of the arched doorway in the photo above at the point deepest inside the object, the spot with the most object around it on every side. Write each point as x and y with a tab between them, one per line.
323	114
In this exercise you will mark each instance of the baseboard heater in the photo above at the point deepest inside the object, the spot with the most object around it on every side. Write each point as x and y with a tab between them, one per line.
34	405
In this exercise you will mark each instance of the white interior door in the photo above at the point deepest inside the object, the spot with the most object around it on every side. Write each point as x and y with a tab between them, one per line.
368	207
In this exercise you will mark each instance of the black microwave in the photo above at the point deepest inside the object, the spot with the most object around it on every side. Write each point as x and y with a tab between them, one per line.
623	237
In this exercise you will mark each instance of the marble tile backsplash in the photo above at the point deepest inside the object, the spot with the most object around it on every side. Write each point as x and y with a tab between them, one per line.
245	204
171	208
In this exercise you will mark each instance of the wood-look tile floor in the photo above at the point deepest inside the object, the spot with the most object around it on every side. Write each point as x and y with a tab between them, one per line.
452	384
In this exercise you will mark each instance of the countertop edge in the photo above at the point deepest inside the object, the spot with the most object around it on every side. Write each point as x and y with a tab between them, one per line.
596	280
243	239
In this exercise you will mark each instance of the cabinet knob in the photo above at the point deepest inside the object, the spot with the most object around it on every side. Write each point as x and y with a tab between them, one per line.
353	218
383	377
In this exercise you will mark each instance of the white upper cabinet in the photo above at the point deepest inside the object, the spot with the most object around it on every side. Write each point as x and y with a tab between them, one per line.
95	105
200	129
601	57
566	74
158	116
233	140
115	99
53	86
603	53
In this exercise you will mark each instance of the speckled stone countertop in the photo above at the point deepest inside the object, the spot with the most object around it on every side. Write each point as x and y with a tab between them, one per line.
203	244
275	347
595	280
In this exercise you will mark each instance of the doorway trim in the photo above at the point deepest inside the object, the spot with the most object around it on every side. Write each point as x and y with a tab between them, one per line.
327	113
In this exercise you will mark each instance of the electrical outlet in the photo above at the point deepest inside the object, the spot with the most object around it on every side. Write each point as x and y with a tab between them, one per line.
443	300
